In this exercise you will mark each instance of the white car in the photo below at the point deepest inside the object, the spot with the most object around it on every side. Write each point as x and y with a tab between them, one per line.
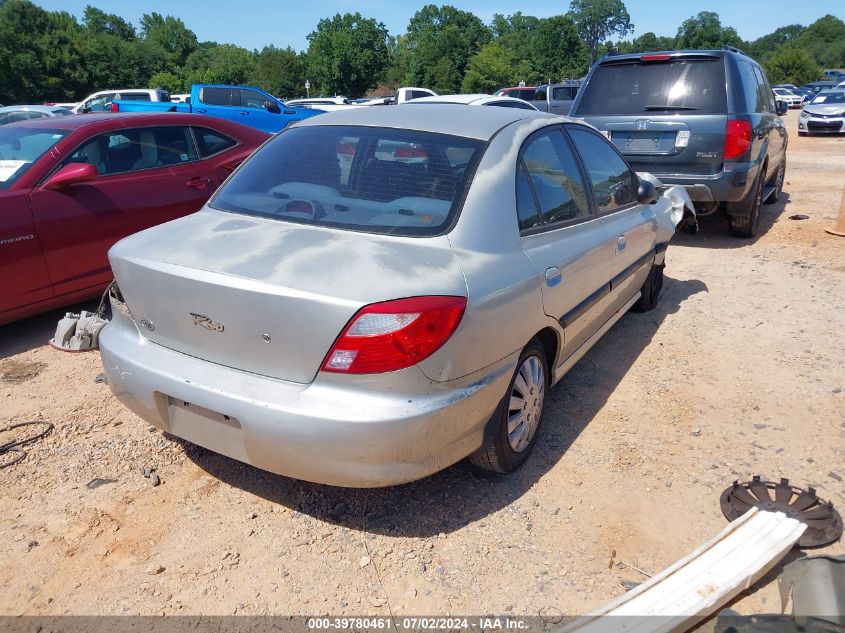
477	100
13	114
101	101
327	104
180	98
792	99
825	114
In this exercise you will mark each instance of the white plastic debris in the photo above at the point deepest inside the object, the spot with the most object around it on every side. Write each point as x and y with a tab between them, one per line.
78	332
701	582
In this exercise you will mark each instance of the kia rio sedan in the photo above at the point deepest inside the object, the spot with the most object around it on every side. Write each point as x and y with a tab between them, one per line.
379	293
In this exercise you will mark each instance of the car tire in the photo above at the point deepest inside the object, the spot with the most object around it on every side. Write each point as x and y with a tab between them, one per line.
779	179
650	292
508	449
742	223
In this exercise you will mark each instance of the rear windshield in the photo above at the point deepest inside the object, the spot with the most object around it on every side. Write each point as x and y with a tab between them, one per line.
690	86
20	147
367	179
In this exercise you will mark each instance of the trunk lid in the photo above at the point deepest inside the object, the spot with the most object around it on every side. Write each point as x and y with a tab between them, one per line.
267	296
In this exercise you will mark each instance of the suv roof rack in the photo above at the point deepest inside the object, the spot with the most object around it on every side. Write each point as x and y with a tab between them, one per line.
733	49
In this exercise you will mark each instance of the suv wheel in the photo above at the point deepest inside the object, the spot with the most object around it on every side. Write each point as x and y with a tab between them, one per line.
745	223
778	183
518	419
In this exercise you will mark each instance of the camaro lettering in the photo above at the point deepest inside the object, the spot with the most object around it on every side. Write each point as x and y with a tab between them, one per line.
19	238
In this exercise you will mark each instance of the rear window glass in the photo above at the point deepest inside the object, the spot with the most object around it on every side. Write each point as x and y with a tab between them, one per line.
689	86
368	179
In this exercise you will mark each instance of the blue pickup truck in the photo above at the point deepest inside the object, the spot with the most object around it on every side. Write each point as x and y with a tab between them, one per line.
244	104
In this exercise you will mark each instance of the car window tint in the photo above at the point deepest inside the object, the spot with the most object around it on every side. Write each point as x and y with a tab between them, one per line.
135	96
750	87
526	206
540	94
211	142
614	184
689	86
135	150
218	96
555	178
101	103
252	99
767	95
378	180
563	93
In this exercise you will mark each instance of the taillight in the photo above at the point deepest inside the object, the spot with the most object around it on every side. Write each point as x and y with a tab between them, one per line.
394	334
655	58
737	138
115	107
410	152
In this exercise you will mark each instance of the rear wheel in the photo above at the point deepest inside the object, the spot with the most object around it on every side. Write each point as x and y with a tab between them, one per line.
778	183
650	292
518	419
742	223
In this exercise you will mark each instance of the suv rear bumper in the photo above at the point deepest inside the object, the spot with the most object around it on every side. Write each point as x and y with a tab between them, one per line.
732	184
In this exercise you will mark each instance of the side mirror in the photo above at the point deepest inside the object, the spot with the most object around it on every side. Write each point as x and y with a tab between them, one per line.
72	174
272	106
782	107
646	193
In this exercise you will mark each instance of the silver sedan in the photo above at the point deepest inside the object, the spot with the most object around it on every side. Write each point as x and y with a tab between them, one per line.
378	293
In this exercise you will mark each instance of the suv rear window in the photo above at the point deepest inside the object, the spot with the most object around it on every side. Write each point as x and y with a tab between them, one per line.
692	86
376	180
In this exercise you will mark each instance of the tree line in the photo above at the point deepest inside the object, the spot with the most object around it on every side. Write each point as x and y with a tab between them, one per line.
53	56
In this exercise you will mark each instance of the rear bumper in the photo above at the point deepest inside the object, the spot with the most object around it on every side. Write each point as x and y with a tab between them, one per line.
732	184
338	430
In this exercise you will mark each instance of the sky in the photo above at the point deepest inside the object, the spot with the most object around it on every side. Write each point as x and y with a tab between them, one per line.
256	23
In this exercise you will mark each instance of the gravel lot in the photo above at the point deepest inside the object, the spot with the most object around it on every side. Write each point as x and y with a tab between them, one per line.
740	371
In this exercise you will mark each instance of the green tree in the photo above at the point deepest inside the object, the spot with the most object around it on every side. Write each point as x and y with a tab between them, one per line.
597	20
824	39
515	32
791	64
442	40
705	31
764	47
167	80
215	63
170	34
398	62
347	54
493	67
557	50
98	22
280	71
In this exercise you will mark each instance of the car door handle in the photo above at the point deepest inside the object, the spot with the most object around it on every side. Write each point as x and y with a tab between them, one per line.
200	111
243	113
198	183
553	276
290	112
621	243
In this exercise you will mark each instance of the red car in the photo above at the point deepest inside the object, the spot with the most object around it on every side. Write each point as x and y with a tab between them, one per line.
71	187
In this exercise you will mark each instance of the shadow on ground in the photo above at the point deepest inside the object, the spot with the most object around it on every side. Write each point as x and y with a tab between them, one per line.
27	334
468	494
713	230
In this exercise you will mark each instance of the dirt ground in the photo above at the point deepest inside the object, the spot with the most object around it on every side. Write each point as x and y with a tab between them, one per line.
740	371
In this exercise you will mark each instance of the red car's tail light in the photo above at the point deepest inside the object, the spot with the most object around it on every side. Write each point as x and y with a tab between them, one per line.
655	58
394	334
410	152
737	138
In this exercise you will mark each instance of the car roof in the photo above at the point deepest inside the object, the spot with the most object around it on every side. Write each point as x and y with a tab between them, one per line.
82	120
452	119
475	99
32	108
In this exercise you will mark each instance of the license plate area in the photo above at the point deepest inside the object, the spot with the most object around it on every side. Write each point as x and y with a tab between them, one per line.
644	142
213	430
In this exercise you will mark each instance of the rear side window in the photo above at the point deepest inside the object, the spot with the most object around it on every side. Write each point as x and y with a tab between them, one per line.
211	142
692	86
135	96
563	93
376	180
751	88
614	184
219	96
252	99
554	179
767	95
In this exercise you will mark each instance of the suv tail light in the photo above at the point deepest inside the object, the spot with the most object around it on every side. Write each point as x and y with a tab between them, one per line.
737	138
394	335
115	107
